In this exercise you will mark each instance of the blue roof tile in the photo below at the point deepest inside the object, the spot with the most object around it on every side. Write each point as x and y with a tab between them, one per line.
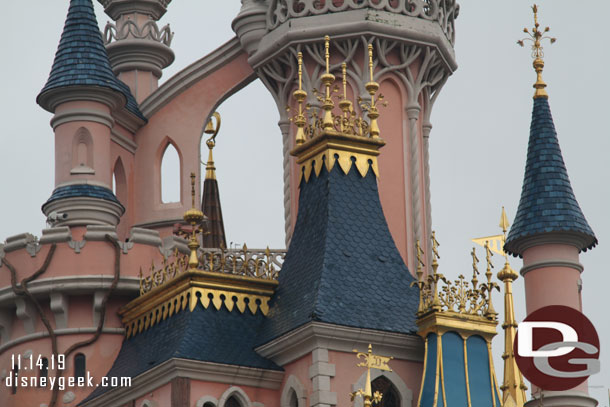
547	201
81	57
83	190
342	266
207	335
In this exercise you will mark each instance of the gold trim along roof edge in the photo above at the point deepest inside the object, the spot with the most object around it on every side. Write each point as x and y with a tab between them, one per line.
337	146
462	324
193	287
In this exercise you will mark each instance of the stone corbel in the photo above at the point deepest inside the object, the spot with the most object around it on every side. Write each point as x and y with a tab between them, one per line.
26	313
59	307
23	240
98	232
171	243
145	236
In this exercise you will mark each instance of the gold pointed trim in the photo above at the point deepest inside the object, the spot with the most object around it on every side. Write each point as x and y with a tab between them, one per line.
466	372
236	293
334	147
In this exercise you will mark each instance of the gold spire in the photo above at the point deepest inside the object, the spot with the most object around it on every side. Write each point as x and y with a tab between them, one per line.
210	169
194	217
371	361
300	95
324	138
513	388
372	87
536	37
327	79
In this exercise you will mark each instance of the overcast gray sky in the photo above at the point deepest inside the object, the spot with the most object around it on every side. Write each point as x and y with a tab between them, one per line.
478	143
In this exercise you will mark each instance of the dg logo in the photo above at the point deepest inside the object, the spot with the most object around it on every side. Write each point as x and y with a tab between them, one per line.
557	348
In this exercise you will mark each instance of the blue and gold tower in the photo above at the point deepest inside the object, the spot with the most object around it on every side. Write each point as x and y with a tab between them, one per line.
457	322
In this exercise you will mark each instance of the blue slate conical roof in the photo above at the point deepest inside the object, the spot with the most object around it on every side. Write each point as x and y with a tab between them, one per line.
81	58
342	266
547	204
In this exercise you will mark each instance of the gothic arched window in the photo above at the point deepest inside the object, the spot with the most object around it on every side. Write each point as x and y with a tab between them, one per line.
294	401
390	395
79	365
232	402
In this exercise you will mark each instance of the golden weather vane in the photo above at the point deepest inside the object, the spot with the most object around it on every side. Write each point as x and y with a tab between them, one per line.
371	361
210	170
536	36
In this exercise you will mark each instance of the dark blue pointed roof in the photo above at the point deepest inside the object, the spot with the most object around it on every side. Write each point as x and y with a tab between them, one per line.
81	58
342	266
547	204
208	335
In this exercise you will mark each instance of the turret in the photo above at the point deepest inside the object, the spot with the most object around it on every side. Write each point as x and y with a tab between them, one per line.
415	58
457	321
138	49
550	229
87	101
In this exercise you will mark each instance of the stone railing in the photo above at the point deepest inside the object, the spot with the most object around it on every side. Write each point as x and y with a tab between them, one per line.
129	29
443	11
257	263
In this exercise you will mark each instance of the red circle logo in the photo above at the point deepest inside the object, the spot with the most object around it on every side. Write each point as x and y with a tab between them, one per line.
557	348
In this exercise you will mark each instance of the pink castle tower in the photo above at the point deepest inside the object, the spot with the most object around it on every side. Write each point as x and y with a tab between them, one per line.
416	57
550	229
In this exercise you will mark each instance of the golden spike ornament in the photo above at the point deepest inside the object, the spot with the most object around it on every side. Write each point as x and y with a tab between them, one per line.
420	279
475	268
435	255
194	217
372	87
300	95
439	295
210	169
345	104
513	388
370	361
327	79
536	36
490	285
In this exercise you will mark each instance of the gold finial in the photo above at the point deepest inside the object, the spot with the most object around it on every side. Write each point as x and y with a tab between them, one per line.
194	217
475	268
210	169
419	253
536	36
504	221
490	312
435	255
420	283
371	361
372	87
344	104
327	52
513	388
327	79
193	177
300	95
